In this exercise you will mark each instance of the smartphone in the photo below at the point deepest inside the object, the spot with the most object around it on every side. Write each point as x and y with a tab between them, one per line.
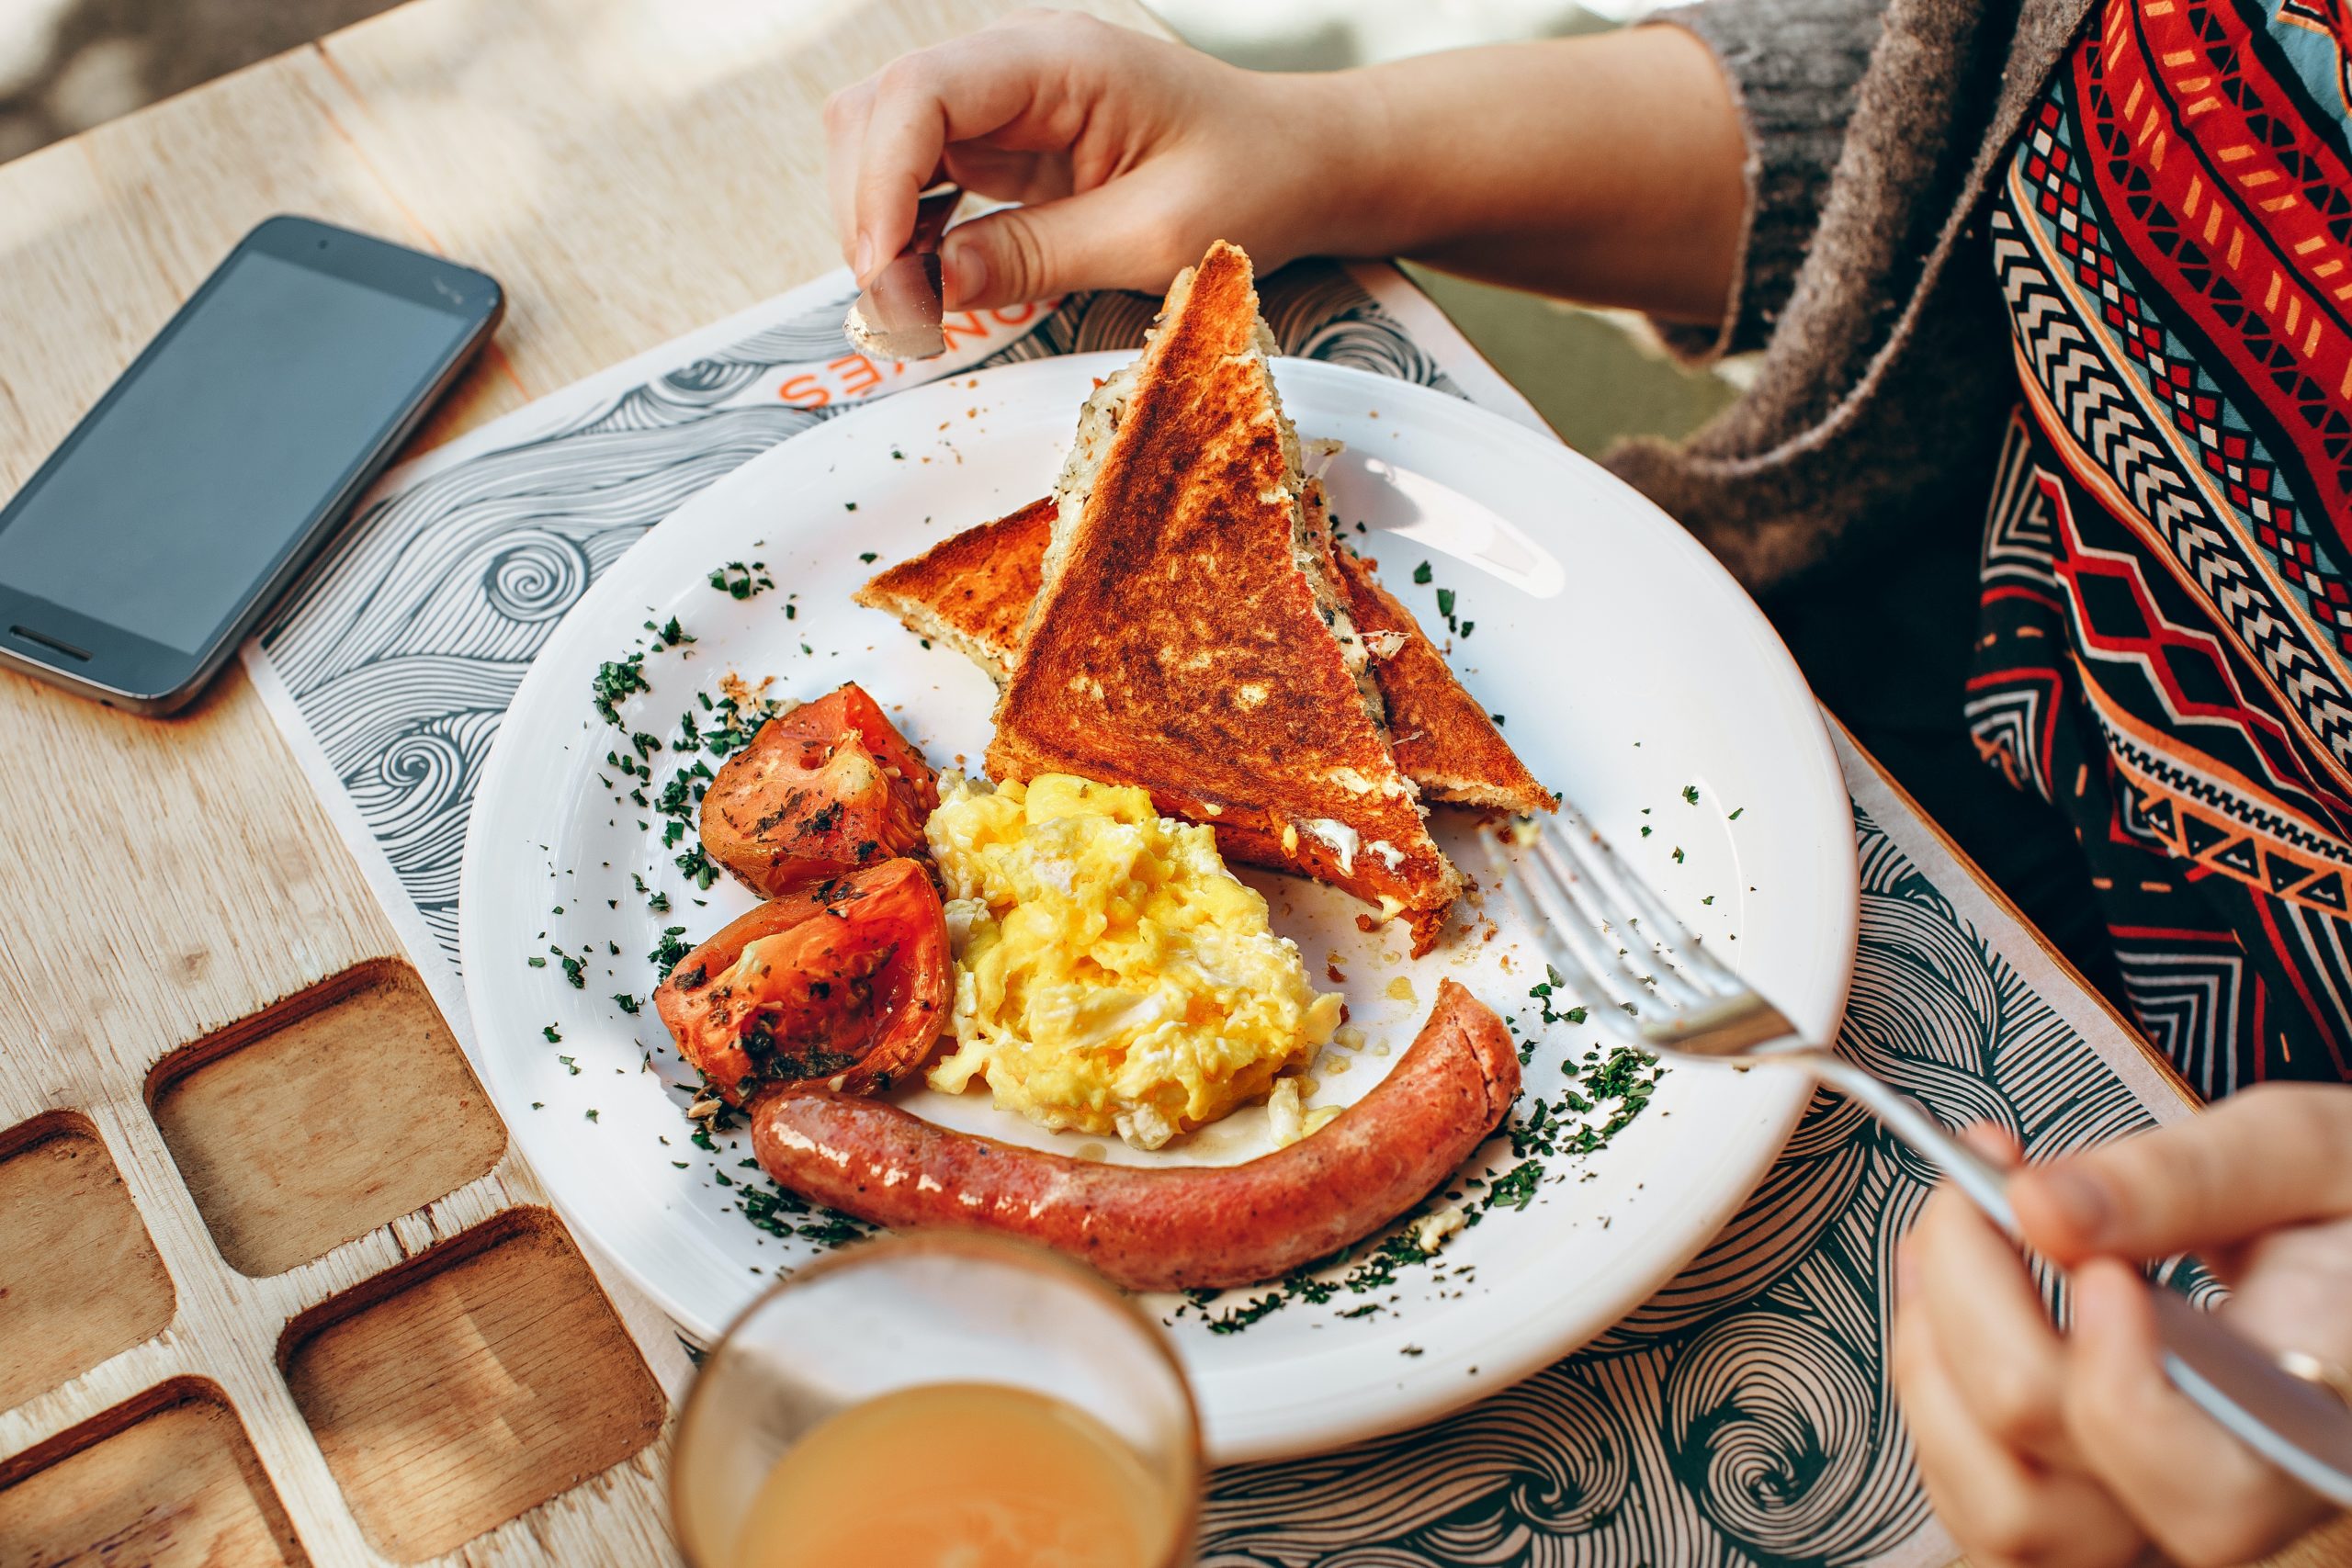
144	550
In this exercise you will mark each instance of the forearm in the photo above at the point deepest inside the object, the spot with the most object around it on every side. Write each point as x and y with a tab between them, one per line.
1610	169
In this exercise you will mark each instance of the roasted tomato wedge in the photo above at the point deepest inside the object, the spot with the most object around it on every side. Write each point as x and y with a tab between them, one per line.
824	789
844	981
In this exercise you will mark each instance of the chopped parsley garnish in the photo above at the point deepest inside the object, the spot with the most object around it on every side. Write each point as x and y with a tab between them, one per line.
1543	992
740	723
1690	793
1422	574
669	950
1515	1186
741	581
616	679
835	1229
698	867
555	1035
783	1213
1241	1317
626	1003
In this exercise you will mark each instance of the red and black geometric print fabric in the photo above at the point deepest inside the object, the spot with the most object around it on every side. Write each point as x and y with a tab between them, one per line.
2166	620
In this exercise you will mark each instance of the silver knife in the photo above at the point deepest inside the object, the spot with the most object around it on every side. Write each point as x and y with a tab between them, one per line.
898	316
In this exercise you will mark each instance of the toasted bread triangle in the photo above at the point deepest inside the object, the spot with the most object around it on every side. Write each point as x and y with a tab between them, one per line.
1186	636
1444	740
972	591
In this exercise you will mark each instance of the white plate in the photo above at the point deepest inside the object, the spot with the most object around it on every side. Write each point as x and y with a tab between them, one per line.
1628	666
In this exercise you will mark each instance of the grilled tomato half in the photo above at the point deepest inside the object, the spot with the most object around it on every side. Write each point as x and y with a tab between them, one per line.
823	788
844	981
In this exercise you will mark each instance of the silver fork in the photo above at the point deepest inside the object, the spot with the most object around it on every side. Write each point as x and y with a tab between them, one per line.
1642	976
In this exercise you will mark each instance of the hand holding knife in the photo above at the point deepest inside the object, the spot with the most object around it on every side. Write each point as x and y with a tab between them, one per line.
898	316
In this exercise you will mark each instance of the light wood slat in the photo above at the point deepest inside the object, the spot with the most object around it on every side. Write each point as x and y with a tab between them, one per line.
103	236
696	188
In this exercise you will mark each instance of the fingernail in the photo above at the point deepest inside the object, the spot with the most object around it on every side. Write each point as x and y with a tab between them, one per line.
864	265
967	271
2079	1199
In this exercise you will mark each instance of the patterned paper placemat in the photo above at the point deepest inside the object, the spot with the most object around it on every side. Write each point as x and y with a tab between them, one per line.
1742	1415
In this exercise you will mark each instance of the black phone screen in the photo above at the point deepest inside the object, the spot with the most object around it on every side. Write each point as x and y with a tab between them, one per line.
212	459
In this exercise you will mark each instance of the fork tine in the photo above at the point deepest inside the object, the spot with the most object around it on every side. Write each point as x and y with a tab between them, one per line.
1672	941
1615	934
1569	943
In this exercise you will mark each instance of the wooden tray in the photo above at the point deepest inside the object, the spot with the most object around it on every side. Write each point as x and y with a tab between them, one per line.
287	1287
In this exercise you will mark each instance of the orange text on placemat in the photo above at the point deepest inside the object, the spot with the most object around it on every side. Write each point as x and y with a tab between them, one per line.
972	335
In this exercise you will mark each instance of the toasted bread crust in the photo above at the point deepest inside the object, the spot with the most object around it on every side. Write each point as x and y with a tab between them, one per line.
1444	739
1183	641
974	591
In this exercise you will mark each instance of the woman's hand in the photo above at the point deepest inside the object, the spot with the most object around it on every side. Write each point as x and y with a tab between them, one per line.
1130	155
2075	1450
1606	168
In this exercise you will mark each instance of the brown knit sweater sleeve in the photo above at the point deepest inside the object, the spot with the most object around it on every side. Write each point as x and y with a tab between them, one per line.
1794	67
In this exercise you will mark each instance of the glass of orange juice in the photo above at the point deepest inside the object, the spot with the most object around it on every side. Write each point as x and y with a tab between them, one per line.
938	1400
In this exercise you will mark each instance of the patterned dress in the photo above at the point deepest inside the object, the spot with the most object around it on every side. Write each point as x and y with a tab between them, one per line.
2166	620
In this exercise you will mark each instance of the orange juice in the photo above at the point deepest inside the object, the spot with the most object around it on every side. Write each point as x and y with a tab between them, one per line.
958	1475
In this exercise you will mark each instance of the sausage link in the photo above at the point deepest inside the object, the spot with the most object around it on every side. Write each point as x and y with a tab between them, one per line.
1168	1227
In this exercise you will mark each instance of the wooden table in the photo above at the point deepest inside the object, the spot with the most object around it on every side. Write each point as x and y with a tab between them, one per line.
211	1337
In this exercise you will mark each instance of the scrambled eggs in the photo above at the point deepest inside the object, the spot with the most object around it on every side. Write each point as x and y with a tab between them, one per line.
1111	974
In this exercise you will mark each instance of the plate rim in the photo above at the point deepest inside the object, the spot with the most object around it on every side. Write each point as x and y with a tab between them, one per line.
1413	1401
